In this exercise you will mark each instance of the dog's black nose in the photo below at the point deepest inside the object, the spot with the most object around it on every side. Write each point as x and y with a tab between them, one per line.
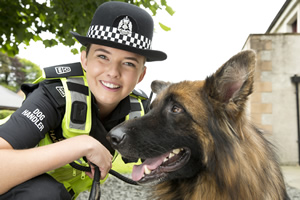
116	137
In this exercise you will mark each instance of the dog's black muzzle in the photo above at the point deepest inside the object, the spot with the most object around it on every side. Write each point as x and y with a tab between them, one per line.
117	137
119	140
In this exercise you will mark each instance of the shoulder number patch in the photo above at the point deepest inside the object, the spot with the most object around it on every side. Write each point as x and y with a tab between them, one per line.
62	70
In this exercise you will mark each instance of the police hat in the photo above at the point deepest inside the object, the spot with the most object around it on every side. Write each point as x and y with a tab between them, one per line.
122	26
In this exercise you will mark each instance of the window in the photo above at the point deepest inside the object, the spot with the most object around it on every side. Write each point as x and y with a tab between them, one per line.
294	26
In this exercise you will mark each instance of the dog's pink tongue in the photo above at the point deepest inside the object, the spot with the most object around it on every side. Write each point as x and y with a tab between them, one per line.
151	163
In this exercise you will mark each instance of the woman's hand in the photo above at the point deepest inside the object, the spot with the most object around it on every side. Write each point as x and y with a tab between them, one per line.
99	156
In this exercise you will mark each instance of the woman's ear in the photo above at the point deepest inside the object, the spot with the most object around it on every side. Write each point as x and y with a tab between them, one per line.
83	59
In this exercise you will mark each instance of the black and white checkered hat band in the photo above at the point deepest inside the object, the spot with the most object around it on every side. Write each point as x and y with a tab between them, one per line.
112	34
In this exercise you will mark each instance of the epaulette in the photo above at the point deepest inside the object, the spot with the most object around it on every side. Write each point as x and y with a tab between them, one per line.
66	70
140	93
52	84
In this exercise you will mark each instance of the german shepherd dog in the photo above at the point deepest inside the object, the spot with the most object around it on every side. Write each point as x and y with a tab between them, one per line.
196	142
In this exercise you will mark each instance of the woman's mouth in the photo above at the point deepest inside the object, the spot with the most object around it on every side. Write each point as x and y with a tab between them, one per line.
110	85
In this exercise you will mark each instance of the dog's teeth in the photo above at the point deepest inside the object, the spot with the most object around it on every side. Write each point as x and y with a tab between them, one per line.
171	155
176	151
166	159
147	171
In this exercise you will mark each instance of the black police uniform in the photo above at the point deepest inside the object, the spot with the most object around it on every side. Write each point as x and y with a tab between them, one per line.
38	115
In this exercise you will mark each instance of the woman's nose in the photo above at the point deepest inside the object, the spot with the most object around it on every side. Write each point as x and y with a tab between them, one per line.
114	71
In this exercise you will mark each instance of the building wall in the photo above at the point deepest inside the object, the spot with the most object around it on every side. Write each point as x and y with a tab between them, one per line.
273	103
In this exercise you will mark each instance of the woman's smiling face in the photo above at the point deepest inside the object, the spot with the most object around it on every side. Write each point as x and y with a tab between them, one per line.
112	73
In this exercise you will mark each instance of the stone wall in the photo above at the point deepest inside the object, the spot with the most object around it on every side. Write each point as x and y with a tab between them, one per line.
273	104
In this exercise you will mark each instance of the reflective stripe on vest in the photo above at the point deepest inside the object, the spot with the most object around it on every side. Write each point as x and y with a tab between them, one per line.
137	109
77	119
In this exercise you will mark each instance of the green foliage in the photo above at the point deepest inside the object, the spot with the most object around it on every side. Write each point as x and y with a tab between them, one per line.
5	113
4	67
22	21
31	70
15	71
164	27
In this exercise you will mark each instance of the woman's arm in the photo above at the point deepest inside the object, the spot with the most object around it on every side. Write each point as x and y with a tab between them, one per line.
18	166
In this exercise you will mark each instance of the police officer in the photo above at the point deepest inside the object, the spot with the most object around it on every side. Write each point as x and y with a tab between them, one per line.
62	116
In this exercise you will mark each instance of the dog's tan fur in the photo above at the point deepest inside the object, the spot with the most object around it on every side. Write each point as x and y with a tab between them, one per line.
236	161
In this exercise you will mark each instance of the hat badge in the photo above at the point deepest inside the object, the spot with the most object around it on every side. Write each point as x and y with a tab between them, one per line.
125	26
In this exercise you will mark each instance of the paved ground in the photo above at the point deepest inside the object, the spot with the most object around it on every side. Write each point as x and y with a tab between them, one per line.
292	178
292	175
115	189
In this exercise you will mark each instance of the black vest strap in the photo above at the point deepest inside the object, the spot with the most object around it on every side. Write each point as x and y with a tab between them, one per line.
78	88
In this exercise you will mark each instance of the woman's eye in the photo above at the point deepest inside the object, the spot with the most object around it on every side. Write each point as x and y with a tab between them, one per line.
102	57
176	109
129	64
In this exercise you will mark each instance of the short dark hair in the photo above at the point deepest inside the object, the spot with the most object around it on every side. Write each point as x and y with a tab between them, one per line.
88	46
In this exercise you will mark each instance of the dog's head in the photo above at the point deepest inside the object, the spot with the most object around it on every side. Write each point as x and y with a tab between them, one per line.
179	136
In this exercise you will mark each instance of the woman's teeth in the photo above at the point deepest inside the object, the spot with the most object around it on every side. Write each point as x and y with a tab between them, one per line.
110	85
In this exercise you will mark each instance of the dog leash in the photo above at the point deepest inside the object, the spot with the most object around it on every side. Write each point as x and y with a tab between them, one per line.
95	193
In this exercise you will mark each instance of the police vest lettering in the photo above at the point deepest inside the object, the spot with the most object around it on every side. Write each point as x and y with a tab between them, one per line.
35	117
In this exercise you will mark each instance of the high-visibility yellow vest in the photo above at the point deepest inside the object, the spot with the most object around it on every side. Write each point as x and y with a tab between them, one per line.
77	119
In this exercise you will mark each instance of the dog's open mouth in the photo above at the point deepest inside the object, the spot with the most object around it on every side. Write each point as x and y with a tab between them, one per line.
154	169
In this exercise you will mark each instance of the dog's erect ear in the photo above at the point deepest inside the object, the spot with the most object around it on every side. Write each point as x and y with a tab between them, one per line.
234	80
157	86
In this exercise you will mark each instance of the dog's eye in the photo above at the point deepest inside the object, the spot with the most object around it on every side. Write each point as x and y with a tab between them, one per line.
176	109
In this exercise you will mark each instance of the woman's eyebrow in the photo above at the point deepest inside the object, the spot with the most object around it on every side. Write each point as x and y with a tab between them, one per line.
108	52
133	58
103	50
